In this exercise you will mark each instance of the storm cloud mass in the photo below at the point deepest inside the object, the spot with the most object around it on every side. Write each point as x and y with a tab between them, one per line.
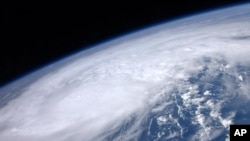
93	96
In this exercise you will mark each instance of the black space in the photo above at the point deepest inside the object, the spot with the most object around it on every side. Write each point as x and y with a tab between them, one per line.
38	33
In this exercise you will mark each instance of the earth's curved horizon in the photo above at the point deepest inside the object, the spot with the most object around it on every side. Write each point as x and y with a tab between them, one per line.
187	79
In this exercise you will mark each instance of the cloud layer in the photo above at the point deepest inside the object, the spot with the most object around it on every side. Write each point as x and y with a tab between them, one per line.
94	96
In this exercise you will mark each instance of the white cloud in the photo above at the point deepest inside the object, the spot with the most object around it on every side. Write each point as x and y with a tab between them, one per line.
93	96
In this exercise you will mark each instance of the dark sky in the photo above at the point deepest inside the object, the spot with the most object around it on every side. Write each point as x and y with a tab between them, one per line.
38	33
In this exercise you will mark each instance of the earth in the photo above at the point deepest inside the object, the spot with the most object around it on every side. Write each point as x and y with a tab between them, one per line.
187	79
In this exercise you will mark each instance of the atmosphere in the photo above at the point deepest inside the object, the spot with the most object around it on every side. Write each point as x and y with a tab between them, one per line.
39	33
186	79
